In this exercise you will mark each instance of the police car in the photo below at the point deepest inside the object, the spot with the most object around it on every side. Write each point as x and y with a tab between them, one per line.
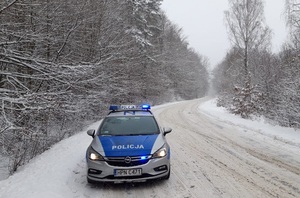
128	146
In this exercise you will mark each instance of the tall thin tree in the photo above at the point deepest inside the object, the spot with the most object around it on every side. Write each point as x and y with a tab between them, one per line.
246	27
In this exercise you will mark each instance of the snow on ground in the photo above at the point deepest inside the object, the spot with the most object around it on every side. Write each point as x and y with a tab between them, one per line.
54	165
4	172
206	162
258	125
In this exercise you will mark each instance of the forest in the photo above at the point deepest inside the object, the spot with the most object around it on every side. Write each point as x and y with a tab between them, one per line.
64	62
251	80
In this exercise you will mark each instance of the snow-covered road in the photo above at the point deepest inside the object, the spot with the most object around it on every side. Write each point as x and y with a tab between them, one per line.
210	158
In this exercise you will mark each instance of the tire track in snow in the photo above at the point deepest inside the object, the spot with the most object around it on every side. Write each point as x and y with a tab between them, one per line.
264	182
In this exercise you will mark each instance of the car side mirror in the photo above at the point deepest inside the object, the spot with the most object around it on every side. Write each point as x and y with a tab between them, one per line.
91	132
167	130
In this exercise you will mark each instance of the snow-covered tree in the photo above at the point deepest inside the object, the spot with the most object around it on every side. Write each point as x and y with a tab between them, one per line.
63	62
292	8
246	27
249	35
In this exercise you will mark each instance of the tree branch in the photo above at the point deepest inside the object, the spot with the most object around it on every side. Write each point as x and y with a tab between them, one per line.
10	4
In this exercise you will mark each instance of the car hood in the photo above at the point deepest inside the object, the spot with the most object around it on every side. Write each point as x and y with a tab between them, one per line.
113	146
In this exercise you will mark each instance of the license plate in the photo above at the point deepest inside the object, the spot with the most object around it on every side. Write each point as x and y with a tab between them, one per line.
127	172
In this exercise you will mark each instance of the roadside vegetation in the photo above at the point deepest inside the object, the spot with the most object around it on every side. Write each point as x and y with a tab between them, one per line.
63	62
251	80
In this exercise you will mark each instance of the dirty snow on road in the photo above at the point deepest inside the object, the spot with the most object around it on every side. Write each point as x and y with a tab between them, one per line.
214	154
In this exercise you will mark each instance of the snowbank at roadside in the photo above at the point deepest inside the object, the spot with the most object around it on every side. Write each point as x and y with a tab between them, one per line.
259	125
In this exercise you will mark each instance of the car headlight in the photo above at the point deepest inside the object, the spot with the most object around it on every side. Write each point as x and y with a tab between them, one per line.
162	152
94	155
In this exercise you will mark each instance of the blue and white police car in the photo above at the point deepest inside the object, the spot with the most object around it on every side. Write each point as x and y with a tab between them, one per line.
128	146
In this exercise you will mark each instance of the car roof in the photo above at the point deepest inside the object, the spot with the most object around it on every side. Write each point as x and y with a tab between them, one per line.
130	113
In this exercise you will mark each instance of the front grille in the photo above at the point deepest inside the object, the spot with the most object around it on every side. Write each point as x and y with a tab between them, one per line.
124	162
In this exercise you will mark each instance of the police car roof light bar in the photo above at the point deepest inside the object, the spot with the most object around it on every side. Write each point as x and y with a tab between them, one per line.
129	107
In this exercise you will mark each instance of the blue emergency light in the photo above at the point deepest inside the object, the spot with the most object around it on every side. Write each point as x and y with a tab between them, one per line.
113	107
146	107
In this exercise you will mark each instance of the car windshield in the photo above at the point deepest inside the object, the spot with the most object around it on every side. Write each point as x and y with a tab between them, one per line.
130	125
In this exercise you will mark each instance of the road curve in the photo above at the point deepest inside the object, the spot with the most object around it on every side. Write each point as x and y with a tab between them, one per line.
216	159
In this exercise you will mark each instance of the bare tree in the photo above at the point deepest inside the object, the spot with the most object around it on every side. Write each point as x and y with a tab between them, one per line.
246	27
292	8
273	89
63	62
248	34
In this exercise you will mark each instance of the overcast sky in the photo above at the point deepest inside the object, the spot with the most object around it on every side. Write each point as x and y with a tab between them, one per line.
203	24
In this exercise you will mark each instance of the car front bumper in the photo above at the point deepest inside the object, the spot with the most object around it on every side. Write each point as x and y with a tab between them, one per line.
102	171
